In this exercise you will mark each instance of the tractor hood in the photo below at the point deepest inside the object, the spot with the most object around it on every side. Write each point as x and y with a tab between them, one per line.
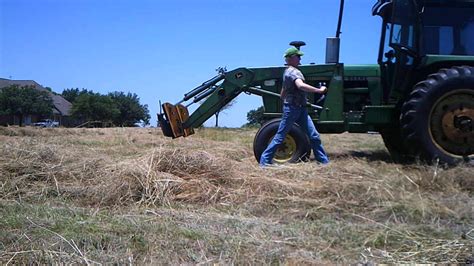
361	70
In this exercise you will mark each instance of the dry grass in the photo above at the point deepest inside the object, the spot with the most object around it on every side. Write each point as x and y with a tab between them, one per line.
131	195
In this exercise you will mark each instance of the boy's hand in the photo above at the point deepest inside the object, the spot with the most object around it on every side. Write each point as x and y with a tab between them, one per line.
323	89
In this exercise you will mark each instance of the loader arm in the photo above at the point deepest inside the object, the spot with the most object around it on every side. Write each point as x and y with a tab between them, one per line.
212	95
234	83
175	120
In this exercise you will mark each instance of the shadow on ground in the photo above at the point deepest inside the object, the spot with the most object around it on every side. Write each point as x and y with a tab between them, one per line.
371	156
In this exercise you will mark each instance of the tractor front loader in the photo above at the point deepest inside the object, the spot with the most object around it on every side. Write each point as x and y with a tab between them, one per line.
419	96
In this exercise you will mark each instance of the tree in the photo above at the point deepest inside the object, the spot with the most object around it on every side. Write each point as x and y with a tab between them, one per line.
27	100
94	107
72	94
255	117
117	107
131	111
226	107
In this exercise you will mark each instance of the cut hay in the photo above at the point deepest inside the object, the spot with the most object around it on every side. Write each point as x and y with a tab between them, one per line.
360	208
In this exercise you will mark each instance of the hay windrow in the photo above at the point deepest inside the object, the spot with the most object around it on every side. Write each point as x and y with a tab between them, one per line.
158	177
163	176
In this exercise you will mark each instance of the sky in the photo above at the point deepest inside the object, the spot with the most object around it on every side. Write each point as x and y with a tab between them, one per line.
162	49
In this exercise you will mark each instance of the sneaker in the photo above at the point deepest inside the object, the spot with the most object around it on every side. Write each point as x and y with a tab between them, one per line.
266	165
272	166
322	162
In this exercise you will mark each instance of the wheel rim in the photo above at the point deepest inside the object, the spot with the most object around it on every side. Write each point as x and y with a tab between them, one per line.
452	122
285	151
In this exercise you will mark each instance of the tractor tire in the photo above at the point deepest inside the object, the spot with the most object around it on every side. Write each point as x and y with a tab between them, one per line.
437	119
295	148
393	141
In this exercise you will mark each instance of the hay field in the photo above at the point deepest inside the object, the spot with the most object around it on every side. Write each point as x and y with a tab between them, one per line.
130	195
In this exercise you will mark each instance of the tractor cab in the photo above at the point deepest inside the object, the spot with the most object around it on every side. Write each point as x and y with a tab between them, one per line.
426	56
427	27
421	35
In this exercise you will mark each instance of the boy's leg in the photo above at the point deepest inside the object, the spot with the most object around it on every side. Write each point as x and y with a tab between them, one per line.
307	124
290	114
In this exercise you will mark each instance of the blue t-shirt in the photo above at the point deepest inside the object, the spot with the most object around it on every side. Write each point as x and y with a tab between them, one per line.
290	93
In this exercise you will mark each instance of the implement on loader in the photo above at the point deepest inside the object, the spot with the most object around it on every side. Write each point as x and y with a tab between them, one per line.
419	96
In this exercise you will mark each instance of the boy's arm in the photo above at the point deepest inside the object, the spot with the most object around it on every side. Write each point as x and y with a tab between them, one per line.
300	84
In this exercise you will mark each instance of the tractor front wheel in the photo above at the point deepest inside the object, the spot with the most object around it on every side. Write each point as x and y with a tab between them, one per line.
295	147
437	120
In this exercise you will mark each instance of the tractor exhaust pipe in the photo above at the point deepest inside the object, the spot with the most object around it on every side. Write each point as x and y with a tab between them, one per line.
333	44
332	50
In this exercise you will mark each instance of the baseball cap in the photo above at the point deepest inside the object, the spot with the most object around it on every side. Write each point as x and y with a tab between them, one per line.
292	51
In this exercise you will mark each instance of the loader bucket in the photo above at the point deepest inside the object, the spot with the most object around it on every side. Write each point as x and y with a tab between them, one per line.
184	115
172	122
165	125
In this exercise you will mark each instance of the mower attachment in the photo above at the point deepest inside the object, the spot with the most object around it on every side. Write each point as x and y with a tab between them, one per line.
172	121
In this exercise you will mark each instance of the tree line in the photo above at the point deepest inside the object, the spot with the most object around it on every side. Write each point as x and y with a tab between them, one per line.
119	108
20	101
122	109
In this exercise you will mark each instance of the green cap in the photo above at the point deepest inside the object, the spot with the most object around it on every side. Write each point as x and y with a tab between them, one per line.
292	51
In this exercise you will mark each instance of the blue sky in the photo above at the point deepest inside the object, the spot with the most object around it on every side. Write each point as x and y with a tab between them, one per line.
162	49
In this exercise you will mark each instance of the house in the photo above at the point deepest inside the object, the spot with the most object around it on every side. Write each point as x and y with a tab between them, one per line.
61	109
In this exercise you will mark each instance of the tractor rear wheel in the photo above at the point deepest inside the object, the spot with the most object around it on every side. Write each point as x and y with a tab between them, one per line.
437	120
394	143
295	147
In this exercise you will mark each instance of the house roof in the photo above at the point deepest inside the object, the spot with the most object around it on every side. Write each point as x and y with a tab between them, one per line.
61	105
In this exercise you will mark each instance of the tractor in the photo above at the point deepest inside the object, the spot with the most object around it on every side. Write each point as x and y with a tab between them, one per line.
419	96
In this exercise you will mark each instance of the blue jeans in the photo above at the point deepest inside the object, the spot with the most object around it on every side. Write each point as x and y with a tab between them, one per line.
294	114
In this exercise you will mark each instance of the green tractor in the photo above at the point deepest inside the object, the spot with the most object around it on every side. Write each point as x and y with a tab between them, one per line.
419	96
